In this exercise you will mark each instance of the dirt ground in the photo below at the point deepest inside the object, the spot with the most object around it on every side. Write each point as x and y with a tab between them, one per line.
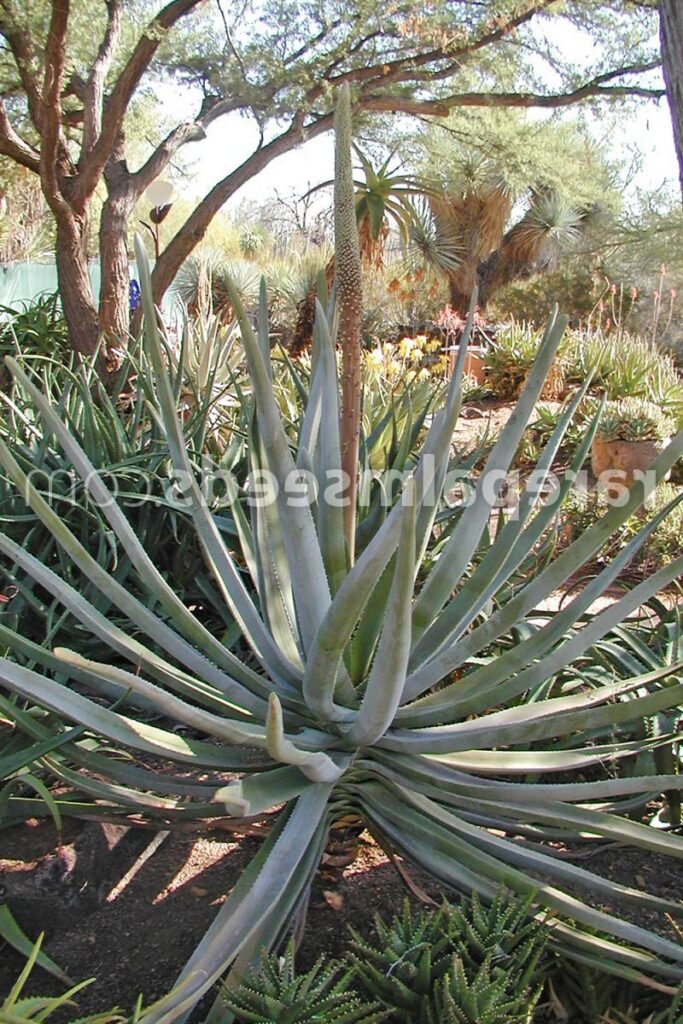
134	934
133	930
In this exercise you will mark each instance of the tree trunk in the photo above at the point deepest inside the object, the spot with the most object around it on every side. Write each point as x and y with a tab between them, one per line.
197	224
503	268
75	290
114	315
671	33
459	299
302	335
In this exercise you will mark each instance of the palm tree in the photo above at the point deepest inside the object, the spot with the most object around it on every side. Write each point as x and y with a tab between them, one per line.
473	211
533	245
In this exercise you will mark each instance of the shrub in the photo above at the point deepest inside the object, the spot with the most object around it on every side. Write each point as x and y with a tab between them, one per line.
37	328
634	419
625	366
622	366
582	510
509	358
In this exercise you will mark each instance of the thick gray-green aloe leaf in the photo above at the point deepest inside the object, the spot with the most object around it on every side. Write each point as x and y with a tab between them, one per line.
423	757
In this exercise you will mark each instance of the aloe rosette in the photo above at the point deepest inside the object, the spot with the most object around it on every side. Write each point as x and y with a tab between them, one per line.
343	702
390	686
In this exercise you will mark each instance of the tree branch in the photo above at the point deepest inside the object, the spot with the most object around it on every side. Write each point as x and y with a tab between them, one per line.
52	142
180	136
195	227
122	93
93	96
13	146
401	67
24	57
442	107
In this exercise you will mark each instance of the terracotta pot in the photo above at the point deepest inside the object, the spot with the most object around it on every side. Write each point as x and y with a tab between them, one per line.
625	457
474	362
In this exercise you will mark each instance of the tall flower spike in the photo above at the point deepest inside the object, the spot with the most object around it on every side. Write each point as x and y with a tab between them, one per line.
349	290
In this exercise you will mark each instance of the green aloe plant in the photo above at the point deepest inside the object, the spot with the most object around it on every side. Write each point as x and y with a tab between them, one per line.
405	960
484	998
469	958
340	696
273	993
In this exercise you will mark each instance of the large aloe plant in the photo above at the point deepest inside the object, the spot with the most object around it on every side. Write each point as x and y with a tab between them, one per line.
342	697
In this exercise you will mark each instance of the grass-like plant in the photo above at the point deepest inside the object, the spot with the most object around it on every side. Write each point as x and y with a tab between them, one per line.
340	696
17	1008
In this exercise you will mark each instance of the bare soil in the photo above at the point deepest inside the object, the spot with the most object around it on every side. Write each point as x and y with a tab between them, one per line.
131	923
134	934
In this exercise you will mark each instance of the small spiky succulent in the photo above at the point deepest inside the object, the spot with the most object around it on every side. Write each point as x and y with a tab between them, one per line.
418	965
273	993
485	997
633	419
505	931
406	959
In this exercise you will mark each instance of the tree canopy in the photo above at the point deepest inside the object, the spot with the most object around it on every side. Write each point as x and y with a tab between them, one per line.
71	76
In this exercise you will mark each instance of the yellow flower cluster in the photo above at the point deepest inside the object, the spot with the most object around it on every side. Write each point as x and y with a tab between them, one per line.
407	356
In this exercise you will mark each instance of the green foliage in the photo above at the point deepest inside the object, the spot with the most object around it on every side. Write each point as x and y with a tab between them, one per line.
624	366
548	154
273	993
354	686
252	241
584	509
571	285
674	1015
202	283
620	366
207	365
509	358
350	684
633	419
26	228
584	995
456	962
547	418
402	964
126	445
38	328
19	1009
12	934
484	998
